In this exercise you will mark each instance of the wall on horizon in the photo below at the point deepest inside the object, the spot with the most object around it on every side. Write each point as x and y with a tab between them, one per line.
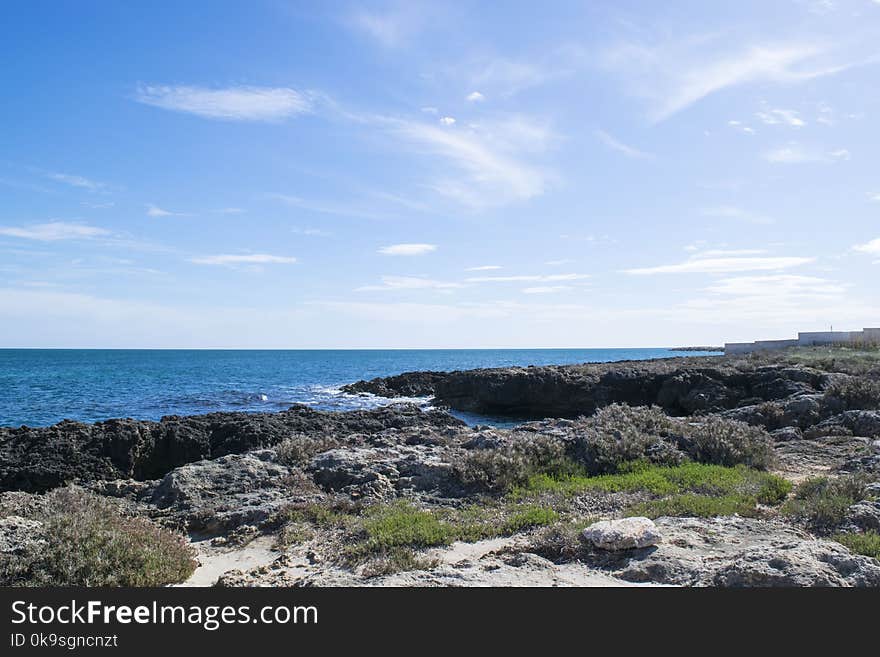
806	339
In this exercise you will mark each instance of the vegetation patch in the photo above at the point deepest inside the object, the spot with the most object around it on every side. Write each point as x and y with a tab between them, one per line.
822	502
855	393
692	505
698	478
529	517
867	543
89	542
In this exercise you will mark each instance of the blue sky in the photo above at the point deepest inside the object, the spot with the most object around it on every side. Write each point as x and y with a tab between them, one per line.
564	174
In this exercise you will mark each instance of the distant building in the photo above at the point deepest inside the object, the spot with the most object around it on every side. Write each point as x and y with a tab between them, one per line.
809	339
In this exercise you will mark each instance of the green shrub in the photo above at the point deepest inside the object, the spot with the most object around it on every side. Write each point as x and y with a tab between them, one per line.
854	394
528	517
499	470
562	542
699	478
618	434
403	525
89	542
691	505
822	502
729	442
867	543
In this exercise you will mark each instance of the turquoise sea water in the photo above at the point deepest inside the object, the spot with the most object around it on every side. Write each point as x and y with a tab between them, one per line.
39	387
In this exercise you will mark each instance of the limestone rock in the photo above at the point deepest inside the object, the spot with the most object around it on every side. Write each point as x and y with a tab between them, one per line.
624	534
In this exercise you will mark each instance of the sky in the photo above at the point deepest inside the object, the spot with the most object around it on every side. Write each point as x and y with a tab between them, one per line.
279	174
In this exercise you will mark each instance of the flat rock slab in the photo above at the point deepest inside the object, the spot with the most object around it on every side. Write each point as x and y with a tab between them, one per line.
734	551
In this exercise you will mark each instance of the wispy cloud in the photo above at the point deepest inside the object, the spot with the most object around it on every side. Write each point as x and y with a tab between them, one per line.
484	268
407	249
475	97
243	259
797	154
493	159
739	125
156	211
872	247
675	74
732	212
54	231
542	278
77	181
409	283
397	25
710	263
781	117
231	103
311	232
620	147
545	289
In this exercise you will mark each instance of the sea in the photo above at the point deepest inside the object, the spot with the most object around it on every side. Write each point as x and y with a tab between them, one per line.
39	387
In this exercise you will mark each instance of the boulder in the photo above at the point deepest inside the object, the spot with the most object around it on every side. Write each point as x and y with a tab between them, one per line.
624	534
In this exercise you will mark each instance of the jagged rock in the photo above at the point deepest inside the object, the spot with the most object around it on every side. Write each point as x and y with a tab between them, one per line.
410	384
863	516
852	423
678	385
386	471
786	433
38	459
734	551
20	536
819	456
219	495
624	534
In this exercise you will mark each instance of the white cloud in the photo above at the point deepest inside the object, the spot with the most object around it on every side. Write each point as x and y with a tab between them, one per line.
620	147
556	263
243	259
231	103
732	212
741	127
545	289
527	278
475	97
409	283
722	263
484	268
311	232
491	157
399	24
782	284
797	154
676	74
156	211
407	249
447	120
77	181
872	247
781	117
874	196
53	231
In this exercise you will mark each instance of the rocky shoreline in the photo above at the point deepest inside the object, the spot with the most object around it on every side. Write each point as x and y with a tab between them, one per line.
752	471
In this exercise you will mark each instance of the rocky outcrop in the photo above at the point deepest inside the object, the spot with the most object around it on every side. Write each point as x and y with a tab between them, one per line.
38	459
734	551
215	496
409	384
681	386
